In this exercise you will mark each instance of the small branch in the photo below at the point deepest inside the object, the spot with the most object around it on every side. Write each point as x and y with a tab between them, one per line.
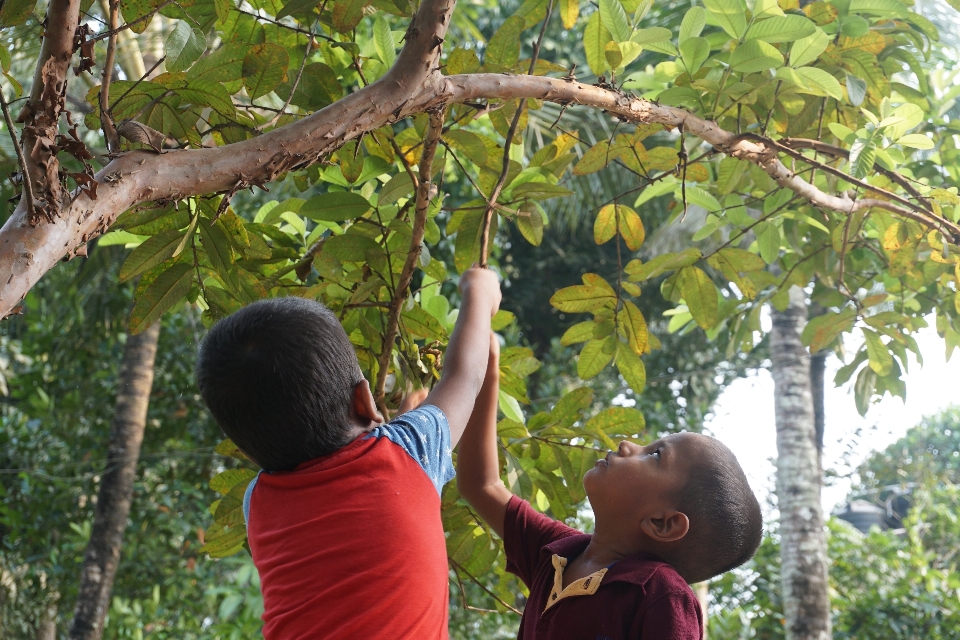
285	26
141	79
839	152
432	137
491	202
114	29
458	568
296	82
404	162
109	130
27	185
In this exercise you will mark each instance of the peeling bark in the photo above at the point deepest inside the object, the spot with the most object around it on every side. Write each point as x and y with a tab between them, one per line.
116	487
802	540
413	85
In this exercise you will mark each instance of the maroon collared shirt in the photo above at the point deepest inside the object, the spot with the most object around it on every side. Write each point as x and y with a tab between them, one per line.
640	597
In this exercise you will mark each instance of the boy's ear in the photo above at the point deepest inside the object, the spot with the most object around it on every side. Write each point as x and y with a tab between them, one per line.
364	407
666	526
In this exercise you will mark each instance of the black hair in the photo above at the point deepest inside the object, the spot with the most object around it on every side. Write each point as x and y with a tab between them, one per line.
279	377
726	524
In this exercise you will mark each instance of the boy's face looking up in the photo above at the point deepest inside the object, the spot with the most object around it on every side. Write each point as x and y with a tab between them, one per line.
635	488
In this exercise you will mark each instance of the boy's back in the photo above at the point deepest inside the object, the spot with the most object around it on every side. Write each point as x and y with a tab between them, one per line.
352	541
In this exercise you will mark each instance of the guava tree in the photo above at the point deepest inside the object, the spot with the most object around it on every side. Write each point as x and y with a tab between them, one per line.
807	146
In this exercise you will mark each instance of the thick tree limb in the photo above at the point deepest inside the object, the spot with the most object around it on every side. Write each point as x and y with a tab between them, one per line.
434	131
413	85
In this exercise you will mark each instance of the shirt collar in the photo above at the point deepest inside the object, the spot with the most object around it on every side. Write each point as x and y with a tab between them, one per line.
636	569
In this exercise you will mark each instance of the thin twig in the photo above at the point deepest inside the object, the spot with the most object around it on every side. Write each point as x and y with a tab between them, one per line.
114	29
27	185
296	82
109	130
285	26
458	567
432	137
488	214
134	85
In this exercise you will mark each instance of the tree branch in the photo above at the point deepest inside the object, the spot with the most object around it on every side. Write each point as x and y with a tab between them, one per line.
413	85
109	130
432	137
27	184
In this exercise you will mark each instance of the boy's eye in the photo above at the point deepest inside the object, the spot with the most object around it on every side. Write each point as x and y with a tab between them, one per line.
656	454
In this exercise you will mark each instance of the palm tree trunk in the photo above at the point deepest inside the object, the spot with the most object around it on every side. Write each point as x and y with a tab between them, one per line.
116	487
802	540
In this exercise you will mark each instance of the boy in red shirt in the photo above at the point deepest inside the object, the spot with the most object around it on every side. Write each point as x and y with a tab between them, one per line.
676	511
344	521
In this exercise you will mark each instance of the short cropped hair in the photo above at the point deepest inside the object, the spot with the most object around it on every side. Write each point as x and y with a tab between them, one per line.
279	377
726	525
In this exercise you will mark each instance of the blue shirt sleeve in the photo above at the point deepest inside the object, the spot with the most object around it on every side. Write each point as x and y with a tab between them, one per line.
425	434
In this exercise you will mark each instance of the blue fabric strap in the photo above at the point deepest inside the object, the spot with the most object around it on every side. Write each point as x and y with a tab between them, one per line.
424	434
246	497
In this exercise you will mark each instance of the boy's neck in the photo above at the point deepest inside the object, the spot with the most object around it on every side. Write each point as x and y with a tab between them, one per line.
607	547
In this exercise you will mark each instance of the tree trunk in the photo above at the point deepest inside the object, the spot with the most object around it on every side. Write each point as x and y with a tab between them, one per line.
116	487
802	540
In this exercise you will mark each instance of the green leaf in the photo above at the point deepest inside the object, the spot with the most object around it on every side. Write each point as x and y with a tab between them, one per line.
223	65
729	15
350	247
222	542
911	115
634	327
335	206
205	93
583	298
421	324
537	190
863	155
183	46
856	89
819	82
264	68
768	241
501	319
651	35
885	8
383	41
618	421
700	197
462	60
152	252
597	157
615	19
225	481
217	247
632	369
165	291
510	407
740	260
692	24
294	7
807	49
347	14
863	389
700	294
877	353
782	29
915	141
503	50
16	12
822	330
595	39
592	359
580	332
531	227
568	408
694	52
755	55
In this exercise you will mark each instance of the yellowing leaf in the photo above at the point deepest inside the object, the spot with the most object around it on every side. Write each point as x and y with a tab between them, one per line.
580	332
592	359
597	157
264	68
634	327
582	298
618	421
632	369
569	12
700	294
821	12
631	228
878	354
605	226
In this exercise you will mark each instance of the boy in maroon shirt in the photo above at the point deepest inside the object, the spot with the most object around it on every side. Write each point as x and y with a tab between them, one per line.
676	511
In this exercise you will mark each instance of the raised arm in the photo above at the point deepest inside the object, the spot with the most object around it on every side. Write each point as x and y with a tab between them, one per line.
478	463
467	353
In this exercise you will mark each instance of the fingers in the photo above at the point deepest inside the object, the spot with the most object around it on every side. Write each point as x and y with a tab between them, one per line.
412	400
